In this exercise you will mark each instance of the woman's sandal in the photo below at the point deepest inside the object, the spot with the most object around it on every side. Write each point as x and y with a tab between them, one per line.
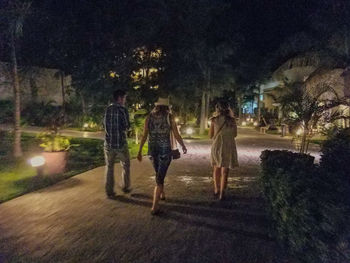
155	212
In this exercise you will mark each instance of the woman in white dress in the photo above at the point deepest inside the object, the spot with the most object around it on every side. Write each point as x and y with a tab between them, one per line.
223	130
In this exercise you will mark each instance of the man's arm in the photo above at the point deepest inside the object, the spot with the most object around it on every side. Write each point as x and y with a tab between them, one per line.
107	120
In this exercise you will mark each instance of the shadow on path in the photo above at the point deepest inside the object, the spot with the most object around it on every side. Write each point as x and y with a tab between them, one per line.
214	219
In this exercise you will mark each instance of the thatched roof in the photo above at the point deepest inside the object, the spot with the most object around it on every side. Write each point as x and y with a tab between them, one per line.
323	77
299	68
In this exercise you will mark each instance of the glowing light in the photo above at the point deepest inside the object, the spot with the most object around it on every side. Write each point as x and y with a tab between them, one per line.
113	74
255	123
177	119
189	131
86	125
37	161
248	119
299	131
244	123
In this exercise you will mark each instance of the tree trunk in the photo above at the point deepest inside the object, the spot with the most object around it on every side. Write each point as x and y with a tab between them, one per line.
63	98
17	150
202	116
239	109
83	104
207	110
303	146
136	136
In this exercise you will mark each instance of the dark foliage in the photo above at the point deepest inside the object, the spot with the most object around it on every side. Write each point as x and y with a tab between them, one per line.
309	204
6	111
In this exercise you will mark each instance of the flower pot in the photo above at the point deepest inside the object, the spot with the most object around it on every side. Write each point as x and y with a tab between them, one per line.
55	162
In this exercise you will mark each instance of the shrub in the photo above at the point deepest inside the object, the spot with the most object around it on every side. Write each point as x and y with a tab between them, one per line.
40	113
51	142
309	204
6	111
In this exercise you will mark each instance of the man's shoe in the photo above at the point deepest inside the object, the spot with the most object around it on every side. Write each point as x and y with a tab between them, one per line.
111	196
126	190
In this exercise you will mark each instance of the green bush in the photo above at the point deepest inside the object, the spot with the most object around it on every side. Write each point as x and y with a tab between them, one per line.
40	113
6	111
309	204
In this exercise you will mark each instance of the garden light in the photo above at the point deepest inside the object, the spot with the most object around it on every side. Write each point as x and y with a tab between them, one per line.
248	119
86	125
255	123
37	161
189	131
244	123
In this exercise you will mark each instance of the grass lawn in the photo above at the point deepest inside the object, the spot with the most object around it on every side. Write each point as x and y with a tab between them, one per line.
17	177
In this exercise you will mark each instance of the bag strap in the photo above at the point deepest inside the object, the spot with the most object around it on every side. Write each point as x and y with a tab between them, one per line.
172	137
222	126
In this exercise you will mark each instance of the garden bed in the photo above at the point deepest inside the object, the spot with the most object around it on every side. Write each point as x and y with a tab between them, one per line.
17	177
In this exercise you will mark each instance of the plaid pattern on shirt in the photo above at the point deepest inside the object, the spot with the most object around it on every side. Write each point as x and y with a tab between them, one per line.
116	123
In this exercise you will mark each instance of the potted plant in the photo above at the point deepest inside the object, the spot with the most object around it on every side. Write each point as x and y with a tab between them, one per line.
55	151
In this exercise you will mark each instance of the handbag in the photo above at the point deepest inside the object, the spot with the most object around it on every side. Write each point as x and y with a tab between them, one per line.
175	153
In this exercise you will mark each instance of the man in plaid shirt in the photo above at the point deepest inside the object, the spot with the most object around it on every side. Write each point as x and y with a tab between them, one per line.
116	123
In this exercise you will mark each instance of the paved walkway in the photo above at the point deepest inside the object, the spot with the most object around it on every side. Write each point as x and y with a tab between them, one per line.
72	221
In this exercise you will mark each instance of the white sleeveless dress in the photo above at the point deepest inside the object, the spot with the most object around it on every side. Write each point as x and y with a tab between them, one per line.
223	149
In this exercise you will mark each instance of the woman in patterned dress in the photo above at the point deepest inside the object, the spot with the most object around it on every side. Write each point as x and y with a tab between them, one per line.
158	126
223	131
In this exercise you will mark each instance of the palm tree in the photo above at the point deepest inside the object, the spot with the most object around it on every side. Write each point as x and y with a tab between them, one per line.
14	14
304	109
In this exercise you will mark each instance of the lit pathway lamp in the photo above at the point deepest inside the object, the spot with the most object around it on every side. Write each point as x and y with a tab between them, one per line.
38	162
189	132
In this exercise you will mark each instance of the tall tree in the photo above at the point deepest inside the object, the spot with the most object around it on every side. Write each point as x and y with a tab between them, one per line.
14	14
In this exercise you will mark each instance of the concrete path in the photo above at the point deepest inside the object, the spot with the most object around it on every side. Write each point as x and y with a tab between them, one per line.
73	221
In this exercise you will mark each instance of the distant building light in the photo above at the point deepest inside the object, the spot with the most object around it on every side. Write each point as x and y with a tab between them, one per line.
299	131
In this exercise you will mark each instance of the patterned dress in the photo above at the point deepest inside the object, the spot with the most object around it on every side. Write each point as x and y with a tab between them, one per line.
159	135
159	146
223	149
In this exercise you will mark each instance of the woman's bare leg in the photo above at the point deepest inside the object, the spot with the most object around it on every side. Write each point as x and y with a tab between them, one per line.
216	178
223	181
162	194
156	195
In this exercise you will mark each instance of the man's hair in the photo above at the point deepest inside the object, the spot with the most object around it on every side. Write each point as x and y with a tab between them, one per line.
118	93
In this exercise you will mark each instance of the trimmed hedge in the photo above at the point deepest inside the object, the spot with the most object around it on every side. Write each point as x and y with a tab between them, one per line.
309	204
